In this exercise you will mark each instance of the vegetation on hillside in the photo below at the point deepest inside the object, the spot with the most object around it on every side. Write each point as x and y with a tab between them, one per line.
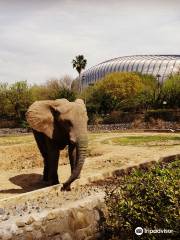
16	98
130	92
116	96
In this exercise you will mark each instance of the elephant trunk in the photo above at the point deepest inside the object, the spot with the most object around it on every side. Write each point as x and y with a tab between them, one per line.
81	153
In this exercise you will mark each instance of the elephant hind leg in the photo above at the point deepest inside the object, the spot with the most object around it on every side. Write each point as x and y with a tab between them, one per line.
50	154
53	159
41	142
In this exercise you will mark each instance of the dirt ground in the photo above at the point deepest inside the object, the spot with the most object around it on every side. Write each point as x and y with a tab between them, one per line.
21	163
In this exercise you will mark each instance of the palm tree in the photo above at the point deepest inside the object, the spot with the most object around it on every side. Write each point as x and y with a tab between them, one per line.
79	63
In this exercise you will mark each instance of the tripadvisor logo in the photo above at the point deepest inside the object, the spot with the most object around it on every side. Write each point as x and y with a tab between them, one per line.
139	231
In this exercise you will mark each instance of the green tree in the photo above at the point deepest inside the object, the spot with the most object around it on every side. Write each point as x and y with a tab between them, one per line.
39	92
60	89
115	91
20	98
4	102
52	88
149	94
171	91
75	86
66	93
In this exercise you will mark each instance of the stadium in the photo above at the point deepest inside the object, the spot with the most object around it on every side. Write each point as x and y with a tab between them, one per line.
160	66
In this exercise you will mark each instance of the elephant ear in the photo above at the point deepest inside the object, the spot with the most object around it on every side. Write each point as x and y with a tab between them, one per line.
40	115
40	118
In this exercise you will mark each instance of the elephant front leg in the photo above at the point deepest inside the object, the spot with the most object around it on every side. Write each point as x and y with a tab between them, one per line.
72	156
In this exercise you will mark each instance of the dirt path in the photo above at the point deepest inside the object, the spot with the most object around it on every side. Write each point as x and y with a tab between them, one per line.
103	158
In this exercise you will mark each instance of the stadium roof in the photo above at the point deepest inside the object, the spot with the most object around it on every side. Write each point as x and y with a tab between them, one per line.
157	65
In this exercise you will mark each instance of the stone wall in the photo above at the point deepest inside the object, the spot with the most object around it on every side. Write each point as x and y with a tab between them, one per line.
79	221
109	127
166	126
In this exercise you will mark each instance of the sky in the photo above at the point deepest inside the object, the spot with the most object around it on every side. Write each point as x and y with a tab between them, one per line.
39	38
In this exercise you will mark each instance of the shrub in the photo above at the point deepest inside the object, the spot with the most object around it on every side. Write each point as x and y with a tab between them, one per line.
144	199
171	91
118	117
115	91
164	114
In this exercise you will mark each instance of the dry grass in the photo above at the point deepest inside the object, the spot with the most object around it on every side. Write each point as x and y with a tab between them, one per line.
14	140
21	152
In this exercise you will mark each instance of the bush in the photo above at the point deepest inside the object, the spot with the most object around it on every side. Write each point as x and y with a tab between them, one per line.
164	114
171	91
144	199
118	117
114	92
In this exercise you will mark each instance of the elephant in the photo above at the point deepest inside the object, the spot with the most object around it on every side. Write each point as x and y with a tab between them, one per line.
55	125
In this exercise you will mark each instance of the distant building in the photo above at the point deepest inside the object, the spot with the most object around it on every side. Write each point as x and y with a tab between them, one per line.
160	66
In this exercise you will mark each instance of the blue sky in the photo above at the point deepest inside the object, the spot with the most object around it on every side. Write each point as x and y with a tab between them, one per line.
39	38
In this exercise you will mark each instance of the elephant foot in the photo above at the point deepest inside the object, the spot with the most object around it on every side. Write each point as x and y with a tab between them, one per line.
66	188
51	182
54	182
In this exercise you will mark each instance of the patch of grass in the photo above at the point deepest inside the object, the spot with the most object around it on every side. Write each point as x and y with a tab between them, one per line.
142	140
12	140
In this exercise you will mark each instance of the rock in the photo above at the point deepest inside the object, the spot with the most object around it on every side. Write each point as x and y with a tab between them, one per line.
13	228
30	220
96	215
38	235
66	236
37	225
57	237
5	235
83	233
29	228
51	216
4	217
20	223
54	228
19	232
28	236
2	211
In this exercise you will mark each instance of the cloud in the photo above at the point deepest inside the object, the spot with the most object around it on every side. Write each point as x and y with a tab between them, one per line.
39	38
